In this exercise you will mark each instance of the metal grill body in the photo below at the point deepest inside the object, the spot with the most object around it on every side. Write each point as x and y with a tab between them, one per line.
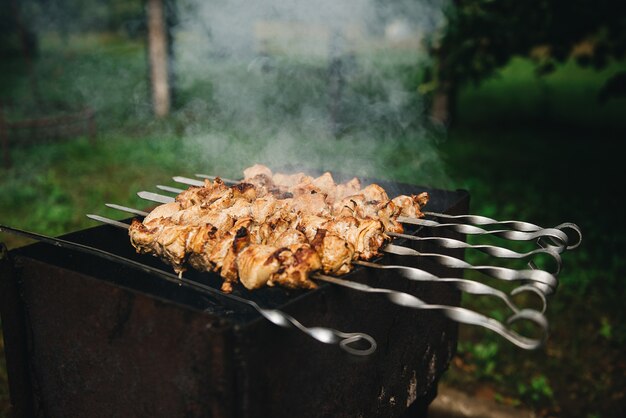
86	336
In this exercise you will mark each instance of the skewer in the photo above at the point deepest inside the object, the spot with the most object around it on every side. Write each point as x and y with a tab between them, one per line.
169	189
458	314
155	197
494	251
556	235
544	280
282	319
538	287
126	209
515	225
467	286
227	181
498	252
188	181
525	231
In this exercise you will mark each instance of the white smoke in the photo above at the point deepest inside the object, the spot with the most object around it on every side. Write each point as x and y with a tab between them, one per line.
289	73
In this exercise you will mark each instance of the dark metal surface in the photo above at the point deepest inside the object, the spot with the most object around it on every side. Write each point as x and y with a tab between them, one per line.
105	340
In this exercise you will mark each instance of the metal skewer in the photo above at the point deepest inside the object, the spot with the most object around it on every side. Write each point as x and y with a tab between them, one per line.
498	252
188	181
469	286
458	314
169	189
206	176
282	319
545	281
556	235
515	225
126	209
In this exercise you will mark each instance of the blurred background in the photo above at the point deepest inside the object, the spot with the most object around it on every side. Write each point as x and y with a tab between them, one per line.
521	103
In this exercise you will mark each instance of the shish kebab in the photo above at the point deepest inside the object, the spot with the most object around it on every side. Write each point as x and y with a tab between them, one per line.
554	239
459	314
273	229
244	245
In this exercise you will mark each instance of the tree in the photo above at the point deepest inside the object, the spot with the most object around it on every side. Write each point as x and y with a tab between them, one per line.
159	57
481	36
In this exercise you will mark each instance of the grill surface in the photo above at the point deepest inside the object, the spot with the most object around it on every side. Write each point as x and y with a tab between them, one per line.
88	337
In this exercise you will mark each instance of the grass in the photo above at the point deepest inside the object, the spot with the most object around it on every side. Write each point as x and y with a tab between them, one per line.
536	150
520	163
519	177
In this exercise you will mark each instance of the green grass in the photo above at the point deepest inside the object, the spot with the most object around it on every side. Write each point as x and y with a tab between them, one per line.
567	98
519	177
542	151
519	162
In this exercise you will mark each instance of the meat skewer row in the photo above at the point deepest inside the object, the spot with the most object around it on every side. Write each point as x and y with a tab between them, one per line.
556	237
186	229
541	278
225	249
495	251
335	196
370	202
544	279
329	335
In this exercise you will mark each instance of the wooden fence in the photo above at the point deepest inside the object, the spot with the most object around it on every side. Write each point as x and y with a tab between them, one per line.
30	131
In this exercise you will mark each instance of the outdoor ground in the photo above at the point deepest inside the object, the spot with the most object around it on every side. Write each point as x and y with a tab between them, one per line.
542	151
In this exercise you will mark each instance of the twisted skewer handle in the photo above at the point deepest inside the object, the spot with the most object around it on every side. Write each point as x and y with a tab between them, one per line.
346	340
559	239
543	280
515	225
461	315
467	286
494	251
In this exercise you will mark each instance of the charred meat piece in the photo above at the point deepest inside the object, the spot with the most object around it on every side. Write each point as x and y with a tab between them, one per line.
296	262
411	205
256	263
335	253
204	195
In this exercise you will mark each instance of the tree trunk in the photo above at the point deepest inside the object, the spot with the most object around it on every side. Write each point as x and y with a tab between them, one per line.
158	52
443	106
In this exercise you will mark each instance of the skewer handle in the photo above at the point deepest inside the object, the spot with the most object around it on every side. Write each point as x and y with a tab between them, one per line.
494	251
543	280
458	314
521	231
467	286
514	225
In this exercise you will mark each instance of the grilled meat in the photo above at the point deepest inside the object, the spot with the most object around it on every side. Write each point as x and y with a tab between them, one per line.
273	228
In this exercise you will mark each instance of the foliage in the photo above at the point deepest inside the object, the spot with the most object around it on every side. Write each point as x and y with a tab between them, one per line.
481	36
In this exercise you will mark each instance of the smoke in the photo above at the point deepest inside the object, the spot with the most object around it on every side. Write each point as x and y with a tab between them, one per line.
306	79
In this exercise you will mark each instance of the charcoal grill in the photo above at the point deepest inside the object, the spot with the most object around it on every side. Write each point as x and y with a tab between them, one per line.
86	336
